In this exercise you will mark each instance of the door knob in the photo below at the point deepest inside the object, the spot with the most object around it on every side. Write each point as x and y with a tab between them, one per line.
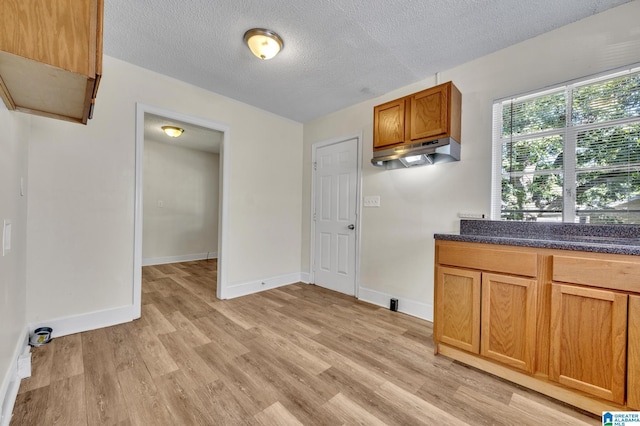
351	227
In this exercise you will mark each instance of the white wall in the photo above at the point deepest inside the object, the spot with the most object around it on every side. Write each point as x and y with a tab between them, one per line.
13	208
180	203
397	238
81	216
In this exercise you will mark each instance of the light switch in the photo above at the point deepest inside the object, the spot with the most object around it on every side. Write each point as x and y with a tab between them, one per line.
372	201
6	237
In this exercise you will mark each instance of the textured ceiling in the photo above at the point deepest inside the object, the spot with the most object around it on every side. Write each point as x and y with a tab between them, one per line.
337	52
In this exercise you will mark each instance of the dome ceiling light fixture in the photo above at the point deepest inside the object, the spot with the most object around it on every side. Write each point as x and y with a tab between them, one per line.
172	131
265	44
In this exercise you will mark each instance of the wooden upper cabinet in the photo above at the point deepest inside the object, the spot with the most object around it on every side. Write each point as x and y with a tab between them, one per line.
429	113
424	116
51	56
509	320
388	123
588	348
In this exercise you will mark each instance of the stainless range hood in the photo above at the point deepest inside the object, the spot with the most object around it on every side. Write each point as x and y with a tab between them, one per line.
420	154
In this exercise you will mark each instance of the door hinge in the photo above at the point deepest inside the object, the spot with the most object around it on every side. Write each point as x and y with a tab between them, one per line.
315	165
314	216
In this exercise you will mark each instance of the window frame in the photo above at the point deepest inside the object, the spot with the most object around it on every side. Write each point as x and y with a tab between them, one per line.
569	134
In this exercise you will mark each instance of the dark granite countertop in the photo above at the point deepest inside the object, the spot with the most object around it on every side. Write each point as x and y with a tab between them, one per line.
613	239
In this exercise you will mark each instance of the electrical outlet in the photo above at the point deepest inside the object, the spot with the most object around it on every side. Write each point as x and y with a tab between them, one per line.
372	201
393	305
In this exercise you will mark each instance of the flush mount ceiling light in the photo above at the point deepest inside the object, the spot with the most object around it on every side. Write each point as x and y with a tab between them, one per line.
265	44
172	131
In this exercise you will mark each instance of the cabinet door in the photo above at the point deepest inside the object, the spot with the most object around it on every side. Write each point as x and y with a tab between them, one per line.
588	340
509	320
429	113
633	369
458	308
60	33
388	124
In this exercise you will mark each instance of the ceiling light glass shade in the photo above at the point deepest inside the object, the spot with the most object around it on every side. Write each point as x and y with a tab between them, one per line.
265	44
172	131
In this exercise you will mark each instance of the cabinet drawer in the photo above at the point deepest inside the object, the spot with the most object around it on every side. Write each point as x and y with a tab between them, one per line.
494	260
613	274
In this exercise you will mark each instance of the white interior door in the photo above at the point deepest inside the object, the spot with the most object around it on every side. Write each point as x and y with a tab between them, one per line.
335	191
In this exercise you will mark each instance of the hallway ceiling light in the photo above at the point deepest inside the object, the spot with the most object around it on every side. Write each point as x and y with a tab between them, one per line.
265	44
172	131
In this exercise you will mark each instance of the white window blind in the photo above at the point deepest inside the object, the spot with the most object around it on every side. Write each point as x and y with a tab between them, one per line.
571	153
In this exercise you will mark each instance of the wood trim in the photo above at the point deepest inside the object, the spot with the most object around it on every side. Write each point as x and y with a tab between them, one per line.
455	114
633	353
543	314
98	45
91	40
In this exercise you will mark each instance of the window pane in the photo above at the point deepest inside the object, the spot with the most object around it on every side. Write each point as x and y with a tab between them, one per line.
609	196
608	146
607	100
610	217
532	196
603	164
534	115
533	154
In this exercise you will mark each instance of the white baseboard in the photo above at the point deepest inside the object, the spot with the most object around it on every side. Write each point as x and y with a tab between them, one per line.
11	383
175	259
305	277
250	287
407	306
88	321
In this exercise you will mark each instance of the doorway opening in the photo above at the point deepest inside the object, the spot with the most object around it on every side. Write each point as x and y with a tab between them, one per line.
210	139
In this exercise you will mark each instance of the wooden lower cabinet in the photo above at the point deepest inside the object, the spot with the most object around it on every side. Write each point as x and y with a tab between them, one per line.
563	323
508	332
633	349
588	348
458	308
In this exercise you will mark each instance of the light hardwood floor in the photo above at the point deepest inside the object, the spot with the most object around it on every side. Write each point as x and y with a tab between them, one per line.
295	355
